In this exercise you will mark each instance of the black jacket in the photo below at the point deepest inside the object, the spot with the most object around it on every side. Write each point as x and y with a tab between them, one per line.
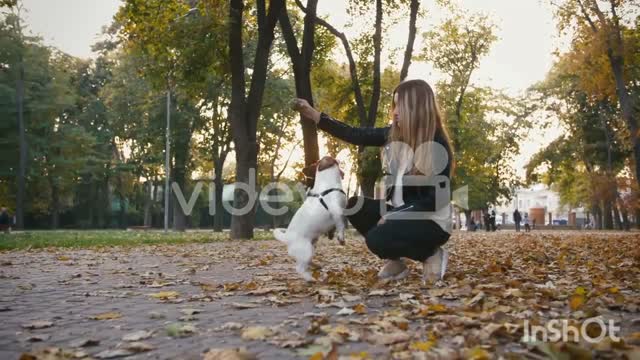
422	198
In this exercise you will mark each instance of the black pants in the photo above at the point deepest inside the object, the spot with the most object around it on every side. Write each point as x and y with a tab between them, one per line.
413	239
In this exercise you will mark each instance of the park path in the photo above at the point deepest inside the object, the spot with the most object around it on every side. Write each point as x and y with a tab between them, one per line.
178	302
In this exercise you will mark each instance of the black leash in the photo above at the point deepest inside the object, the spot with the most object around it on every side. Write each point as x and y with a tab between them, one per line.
322	194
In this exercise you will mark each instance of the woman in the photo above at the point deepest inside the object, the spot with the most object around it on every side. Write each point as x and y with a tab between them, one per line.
391	236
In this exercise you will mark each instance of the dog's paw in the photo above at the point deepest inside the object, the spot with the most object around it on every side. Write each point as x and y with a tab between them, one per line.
341	238
308	277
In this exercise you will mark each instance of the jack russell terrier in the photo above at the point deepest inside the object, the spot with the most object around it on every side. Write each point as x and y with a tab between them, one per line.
321	212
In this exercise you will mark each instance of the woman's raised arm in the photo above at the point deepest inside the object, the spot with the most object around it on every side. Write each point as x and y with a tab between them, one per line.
353	135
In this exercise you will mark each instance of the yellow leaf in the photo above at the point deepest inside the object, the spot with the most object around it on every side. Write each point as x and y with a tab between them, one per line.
580	291
477	353
360	355
164	295
613	290
360	309
317	356
107	316
256	333
422	345
576	302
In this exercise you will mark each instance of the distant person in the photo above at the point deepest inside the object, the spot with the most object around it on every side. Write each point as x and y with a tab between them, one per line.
527	228
534	223
487	222
472	225
517	218
492	220
5	220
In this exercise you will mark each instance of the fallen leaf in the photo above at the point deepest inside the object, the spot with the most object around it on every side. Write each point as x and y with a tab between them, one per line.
137	335
345	312
477	353
165	295
231	326
138	346
38	324
229	354
360	309
112	354
378	338
256	333
422	345
38	337
107	316
576	301
84	343
176	330
244	305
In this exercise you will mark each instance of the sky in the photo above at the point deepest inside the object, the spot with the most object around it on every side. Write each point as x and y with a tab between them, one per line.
521	56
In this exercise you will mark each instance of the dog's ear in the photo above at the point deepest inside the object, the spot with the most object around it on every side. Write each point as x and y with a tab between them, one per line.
310	170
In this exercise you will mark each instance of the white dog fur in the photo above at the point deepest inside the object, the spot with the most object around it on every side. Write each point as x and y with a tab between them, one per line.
312	219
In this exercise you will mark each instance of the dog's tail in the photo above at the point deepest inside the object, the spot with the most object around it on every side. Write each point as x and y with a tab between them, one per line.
281	235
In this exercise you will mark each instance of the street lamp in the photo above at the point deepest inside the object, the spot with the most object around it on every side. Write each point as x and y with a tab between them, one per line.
167	160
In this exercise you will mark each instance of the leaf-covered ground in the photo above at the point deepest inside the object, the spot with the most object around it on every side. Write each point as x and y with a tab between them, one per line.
193	301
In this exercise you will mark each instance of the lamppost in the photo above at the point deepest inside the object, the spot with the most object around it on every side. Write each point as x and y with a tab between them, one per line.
167	160
167	163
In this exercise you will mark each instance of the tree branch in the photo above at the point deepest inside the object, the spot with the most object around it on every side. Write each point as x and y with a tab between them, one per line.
362	112
587	17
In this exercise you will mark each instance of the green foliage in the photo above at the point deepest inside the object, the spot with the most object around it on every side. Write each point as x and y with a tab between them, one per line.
485	125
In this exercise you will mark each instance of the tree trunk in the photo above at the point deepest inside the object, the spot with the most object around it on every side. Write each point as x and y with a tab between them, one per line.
468	214
408	52
616	217
123	210
626	102
607	217
245	112
367	186
55	205
597	215
302	73
148	202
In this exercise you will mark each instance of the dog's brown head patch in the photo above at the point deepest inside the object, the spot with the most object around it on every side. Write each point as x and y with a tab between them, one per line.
327	162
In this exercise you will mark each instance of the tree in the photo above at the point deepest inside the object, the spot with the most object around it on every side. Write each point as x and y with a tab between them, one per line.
245	109
485	125
184	44
606	30
301	61
369	46
13	20
584	163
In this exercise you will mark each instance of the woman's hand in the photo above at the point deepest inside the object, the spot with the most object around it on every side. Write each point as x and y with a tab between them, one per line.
302	106
381	221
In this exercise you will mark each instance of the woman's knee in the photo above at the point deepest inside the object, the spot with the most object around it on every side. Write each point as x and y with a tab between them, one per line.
375	240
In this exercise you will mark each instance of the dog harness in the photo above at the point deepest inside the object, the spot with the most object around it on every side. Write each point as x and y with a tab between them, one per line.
322	194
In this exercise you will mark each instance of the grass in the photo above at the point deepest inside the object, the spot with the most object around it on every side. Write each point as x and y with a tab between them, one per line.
98	238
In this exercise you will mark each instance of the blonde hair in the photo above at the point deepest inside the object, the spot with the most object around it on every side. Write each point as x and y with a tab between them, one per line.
420	119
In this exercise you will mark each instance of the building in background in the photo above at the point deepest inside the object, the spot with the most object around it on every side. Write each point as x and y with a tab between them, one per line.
542	204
